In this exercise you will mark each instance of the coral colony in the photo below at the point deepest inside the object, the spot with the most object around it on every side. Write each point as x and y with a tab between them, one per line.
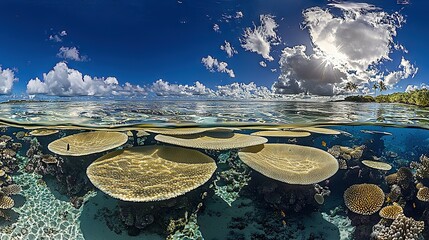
169	182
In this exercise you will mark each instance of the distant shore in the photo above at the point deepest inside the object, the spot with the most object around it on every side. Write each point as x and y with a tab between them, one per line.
418	97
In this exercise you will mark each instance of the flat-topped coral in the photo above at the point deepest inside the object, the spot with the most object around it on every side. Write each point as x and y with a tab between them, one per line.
376	132
11	189
150	173
43	132
286	134
423	194
318	130
290	163
213	141
189	130
87	143
364	199
377	165
402	228
391	212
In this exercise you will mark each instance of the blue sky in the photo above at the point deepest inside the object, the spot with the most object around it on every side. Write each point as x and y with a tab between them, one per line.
140	42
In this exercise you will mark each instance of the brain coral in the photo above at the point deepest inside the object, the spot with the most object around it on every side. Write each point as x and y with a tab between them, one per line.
6	202
364	199
290	163
150	173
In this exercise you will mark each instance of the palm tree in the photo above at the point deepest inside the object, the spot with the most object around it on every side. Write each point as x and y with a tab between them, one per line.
382	86
375	87
351	86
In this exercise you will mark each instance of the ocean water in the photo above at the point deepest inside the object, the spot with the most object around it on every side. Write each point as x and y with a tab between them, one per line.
196	170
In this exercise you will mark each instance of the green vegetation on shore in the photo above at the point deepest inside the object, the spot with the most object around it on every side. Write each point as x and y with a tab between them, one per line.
417	97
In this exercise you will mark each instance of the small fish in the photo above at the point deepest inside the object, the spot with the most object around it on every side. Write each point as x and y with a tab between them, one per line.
68	147
293	140
282	213
324	143
388	199
284	223
414	205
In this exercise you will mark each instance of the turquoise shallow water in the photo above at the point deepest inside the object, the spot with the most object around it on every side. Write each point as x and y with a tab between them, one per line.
114	113
59	201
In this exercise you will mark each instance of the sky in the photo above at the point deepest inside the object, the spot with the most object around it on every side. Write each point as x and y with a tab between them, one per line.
228	49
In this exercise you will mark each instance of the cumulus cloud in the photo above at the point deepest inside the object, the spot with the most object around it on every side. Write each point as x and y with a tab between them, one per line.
416	87
262	37
64	81
58	37
230	51
243	91
406	70
71	53
216	28
302	73
164	88
212	64
350	47
7	78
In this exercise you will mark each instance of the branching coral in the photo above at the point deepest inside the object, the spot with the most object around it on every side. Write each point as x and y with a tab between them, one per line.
421	168
402	228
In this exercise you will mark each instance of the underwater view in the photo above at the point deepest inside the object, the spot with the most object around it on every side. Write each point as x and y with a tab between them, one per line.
215	120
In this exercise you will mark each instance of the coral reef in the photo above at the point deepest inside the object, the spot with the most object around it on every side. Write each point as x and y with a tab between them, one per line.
364	199
343	223
229	182
42	215
402	228
421	168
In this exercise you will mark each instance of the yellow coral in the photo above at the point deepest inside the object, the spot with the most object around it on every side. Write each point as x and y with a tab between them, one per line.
364	199
6	202
423	194
391	212
213	141
290	163
87	143
150	173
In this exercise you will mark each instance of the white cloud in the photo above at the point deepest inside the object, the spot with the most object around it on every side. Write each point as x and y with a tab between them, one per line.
71	53
301	73
416	87
58	37
64	81
243	91
216	28
263	64
350	47
164	88
262	37
212	64
230	51
406	70
7	78
238	15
